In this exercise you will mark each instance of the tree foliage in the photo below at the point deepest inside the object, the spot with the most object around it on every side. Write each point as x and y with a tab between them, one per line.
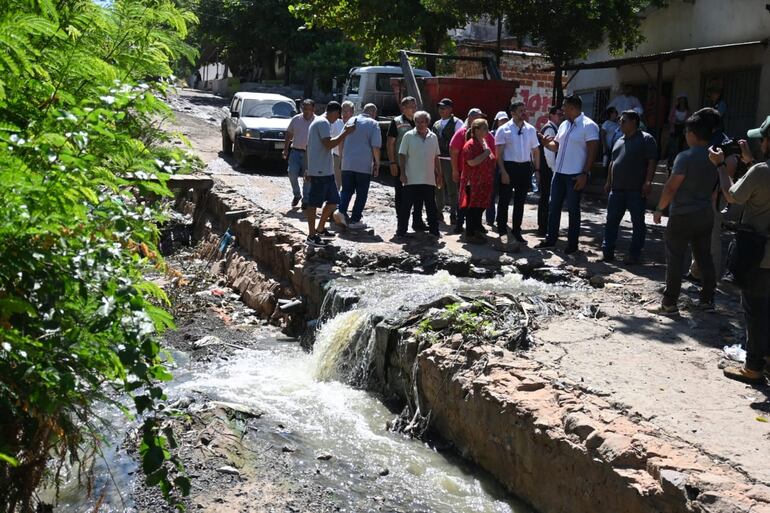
566	30
330	59
79	144
247	34
382	27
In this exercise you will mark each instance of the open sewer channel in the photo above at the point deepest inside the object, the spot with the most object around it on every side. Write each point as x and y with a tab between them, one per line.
310	407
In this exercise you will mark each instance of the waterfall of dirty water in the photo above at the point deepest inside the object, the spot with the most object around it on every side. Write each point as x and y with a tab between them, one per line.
306	403
331	417
334	340
345	343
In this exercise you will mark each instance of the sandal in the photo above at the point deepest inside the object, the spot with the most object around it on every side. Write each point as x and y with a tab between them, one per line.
744	375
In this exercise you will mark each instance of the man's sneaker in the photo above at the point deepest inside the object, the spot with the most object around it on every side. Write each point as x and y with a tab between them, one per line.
340	218
315	241
546	244
744	375
296	201
358	225
632	260
402	237
692	278
325	234
661	309
570	250
518	237
704	306
420	227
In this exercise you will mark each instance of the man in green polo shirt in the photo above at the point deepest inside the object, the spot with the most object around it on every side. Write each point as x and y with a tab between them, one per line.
398	127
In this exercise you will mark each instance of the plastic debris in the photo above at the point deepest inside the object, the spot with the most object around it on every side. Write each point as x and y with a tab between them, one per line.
735	353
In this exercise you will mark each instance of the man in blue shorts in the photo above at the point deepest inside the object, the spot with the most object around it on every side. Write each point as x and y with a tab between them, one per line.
320	172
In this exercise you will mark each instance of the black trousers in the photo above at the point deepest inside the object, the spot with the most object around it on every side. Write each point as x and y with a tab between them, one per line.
544	187
692	229
473	220
520	174
756	307
417	210
414	195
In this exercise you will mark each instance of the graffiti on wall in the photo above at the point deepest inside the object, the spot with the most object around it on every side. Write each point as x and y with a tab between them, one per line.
537	101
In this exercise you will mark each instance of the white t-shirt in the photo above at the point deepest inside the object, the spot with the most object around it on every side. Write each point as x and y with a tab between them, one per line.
337	128
420	157
623	103
517	143
458	123
319	157
573	150
609	128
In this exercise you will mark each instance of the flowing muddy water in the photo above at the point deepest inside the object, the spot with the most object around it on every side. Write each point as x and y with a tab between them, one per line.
310	408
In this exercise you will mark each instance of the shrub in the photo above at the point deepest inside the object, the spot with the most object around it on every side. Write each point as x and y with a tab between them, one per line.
79	148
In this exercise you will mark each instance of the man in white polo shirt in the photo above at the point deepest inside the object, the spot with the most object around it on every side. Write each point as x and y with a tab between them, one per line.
577	144
517	148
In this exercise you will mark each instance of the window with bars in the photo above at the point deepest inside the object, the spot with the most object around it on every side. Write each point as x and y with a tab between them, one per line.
595	102
740	91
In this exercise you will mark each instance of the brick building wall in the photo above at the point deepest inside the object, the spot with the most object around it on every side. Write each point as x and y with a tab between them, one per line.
535	84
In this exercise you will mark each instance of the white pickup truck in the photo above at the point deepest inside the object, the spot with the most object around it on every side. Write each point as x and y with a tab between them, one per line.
255	125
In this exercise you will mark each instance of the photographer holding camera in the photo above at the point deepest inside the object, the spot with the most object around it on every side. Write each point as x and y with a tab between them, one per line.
752	191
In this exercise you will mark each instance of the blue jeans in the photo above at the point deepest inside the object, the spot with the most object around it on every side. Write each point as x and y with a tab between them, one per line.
617	204
563	187
296	172
358	184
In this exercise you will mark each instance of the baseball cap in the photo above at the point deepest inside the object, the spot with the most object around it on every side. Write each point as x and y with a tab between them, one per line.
475	111
445	102
762	131
501	115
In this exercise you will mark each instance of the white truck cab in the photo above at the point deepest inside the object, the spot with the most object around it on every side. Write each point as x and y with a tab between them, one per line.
371	84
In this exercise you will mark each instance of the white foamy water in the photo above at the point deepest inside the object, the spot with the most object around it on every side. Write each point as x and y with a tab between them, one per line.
329	416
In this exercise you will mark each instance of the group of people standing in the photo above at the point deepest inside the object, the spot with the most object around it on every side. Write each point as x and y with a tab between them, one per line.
468	169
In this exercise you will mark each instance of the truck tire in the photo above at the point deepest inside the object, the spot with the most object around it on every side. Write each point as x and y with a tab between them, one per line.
238	155
227	144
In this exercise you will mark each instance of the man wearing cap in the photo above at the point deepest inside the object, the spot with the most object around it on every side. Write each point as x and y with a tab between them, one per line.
445	128
455	148
752	191
517	148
